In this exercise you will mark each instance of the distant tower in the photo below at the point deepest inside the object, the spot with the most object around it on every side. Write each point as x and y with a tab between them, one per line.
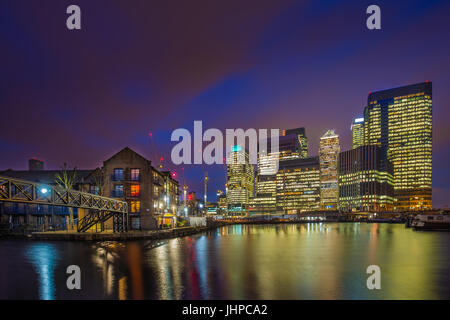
302	140
206	182
185	187
357	132
328	159
240	181
35	165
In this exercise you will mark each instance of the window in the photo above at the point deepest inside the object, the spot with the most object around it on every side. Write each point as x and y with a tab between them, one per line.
135	189
135	206
94	189
118	191
134	175
118	174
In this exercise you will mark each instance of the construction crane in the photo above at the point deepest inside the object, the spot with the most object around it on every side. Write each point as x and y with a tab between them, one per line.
155	152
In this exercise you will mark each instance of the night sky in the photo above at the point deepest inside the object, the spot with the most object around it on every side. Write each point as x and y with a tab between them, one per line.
140	67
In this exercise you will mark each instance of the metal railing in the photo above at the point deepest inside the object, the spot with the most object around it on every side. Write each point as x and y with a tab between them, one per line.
100	208
15	190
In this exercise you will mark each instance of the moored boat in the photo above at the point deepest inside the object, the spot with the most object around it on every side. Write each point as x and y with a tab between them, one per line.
431	222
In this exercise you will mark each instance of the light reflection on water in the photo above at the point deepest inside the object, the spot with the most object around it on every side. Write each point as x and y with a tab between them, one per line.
43	257
307	261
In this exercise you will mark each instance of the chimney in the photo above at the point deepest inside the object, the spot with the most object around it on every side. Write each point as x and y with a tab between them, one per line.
35	165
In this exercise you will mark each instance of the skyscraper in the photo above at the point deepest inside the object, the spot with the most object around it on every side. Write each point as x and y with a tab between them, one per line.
399	120
302	142
293	145
357	132
298	186
328	158
365	180
240	180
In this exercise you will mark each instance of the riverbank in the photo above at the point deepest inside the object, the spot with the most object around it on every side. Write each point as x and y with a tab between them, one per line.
110	236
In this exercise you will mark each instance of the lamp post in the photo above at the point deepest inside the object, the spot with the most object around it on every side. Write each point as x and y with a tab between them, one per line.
206	182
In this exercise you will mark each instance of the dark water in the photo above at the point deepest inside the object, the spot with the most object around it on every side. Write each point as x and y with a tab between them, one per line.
308	261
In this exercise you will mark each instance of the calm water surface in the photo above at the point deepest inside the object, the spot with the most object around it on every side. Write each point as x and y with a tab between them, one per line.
308	261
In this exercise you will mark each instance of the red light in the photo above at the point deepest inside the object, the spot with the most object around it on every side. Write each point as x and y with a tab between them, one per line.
161	159
190	197
150	134
174	174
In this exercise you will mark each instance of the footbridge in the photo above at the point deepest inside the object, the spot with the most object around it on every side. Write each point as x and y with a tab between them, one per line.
95	209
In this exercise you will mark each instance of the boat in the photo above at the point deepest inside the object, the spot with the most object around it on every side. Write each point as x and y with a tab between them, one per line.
431	222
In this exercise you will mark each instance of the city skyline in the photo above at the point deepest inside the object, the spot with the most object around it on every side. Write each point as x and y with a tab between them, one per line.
241	81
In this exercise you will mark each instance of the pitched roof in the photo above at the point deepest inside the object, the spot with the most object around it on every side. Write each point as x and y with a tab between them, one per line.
126	150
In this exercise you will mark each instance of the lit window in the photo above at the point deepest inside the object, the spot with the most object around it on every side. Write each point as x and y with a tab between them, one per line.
135	190
135	174
135	206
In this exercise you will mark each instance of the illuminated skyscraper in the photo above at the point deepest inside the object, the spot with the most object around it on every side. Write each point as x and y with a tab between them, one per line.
240	181
298	186
328	157
301	146
366	181
293	145
400	121
357	132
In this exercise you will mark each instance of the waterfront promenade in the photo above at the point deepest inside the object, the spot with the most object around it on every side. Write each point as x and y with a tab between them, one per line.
119	236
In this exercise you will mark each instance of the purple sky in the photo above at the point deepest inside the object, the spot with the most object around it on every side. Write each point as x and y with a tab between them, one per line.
153	66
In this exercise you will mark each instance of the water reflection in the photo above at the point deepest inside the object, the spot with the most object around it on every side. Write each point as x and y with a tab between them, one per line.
43	258
306	261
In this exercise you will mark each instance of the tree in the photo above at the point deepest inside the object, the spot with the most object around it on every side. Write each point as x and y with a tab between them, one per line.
99	180
66	179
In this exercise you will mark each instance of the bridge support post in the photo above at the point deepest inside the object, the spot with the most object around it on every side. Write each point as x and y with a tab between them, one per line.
81	214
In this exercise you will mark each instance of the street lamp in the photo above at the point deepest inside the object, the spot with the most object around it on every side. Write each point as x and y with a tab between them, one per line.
43	190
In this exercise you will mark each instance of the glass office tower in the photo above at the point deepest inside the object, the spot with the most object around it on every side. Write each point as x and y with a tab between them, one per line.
400	121
240	181
298	186
366	181
328	157
302	141
293	145
357	132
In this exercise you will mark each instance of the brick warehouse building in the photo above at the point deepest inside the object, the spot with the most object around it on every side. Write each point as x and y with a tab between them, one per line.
128	176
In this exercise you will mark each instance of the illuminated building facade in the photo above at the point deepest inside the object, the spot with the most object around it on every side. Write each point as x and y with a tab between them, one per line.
240	181
149	192
221	202
264	201
328	157
301	146
400	121
298	186
127	176
357	132
366	180
293	145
